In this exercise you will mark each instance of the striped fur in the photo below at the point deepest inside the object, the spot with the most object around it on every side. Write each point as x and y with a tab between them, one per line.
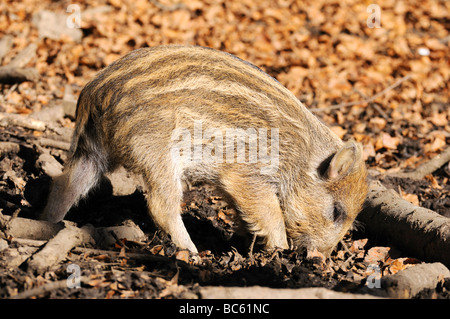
127	113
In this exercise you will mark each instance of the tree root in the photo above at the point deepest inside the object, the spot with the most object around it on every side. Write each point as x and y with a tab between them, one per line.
418	231
428	167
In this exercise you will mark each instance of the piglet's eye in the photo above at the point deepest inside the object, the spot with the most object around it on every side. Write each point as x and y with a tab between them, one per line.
339	213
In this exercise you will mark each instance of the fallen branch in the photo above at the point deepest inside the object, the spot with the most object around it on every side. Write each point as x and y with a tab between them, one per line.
24	56
418	231
42	230
14	257
428	167
15	72
409	282
29	228
108	236
11	75
11	119
48	142
258	292
30	242
9	147
365	101
57	248
49	165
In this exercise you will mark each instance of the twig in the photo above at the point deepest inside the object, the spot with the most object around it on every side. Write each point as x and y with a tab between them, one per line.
344	245
428	167
252	246
60	284
48	142
368	100
374	105
146	257
11	119
118	241
173	7
29	242
11	89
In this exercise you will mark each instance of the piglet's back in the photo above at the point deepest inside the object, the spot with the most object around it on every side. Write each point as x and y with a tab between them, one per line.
155	90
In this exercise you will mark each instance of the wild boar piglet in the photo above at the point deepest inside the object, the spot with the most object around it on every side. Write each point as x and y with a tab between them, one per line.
175	114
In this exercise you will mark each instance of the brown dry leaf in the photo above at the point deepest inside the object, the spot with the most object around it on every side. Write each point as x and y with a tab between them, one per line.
193	205
376	254
401	47
14	98
102	257
172	290
114	285
378	123
123	262
217	202
439	119
411	162
387	141
412	198
437	145
204	253
109	294
182	255
339	131
368	151
340	255
22	110
433	180
122	251
157	250
222	216
310	254
396	265
98	283
435	44
293	79
433	82
360	128
127	294
358	244
390	142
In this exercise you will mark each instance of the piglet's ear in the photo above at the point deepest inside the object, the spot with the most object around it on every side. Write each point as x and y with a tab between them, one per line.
345	160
